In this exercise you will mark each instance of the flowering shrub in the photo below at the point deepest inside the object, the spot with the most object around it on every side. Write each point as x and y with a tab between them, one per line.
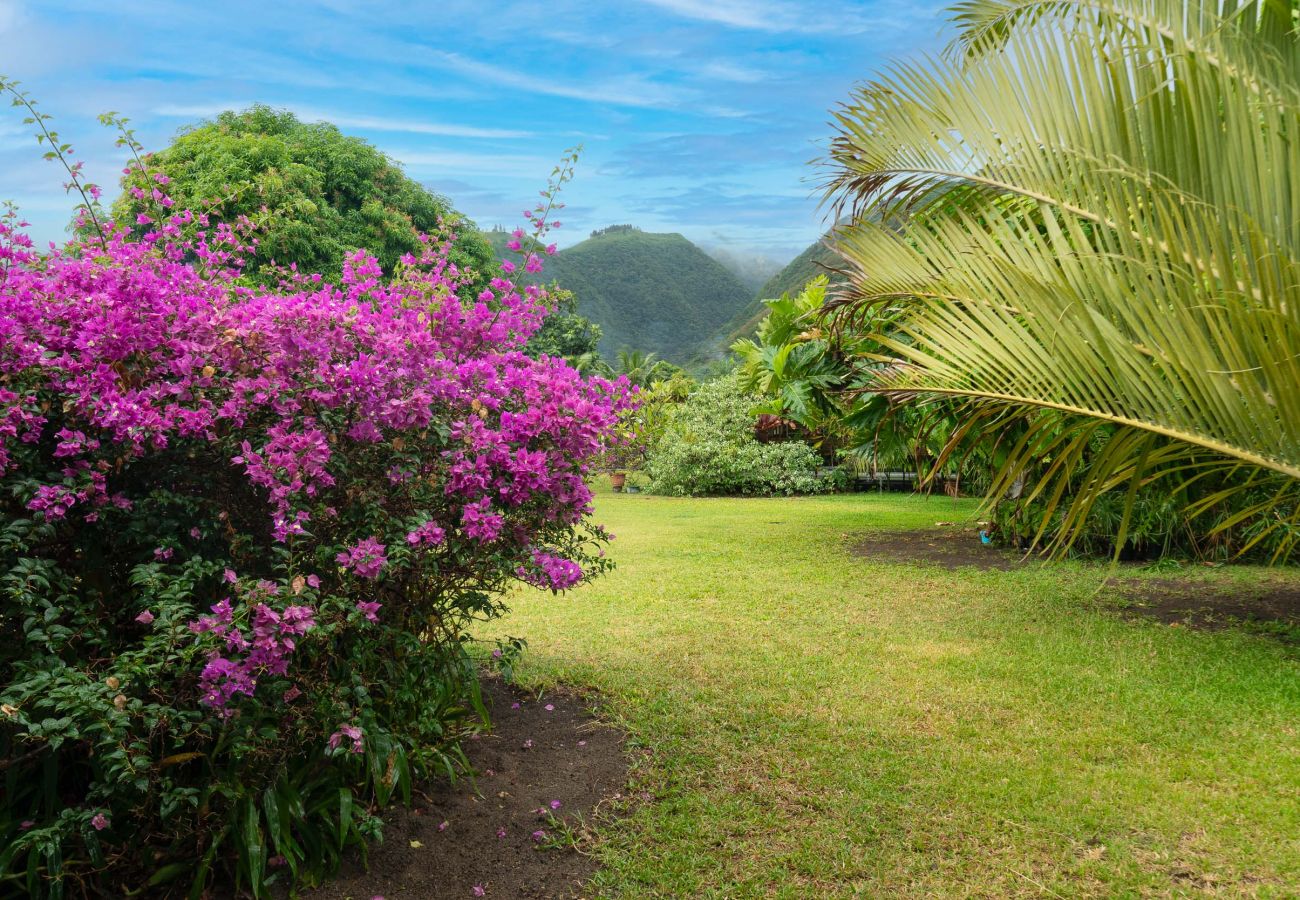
707	446
241	534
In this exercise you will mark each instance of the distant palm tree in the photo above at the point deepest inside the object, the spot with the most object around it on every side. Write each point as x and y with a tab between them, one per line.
589	363
641	368
1094	237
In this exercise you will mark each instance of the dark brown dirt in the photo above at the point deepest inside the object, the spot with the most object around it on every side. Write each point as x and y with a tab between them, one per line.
539	751
947	547
1174	601
1177	601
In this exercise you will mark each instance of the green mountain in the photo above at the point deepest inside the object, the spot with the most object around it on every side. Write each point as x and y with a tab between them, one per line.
654	292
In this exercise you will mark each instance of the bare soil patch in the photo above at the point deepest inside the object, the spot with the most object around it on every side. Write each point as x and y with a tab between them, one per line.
1273	604
1179	601
948	547
481	833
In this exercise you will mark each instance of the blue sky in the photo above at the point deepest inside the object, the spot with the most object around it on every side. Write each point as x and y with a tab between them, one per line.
697	116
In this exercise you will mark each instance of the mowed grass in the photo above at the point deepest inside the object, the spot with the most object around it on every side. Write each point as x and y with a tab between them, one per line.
809	723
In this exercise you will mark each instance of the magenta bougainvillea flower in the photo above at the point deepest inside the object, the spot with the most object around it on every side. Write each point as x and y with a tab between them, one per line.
428	534
366	558
348	732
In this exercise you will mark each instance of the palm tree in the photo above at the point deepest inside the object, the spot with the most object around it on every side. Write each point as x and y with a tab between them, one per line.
641	368
1094	239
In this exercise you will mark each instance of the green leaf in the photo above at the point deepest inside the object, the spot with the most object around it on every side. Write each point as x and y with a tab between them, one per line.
345	815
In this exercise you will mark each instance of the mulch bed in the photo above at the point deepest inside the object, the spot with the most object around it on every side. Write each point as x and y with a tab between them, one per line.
539	750
947	547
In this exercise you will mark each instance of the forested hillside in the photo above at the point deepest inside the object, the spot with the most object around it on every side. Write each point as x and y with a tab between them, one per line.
654	292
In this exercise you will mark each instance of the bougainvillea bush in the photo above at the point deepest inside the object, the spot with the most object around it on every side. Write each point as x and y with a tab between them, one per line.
241	535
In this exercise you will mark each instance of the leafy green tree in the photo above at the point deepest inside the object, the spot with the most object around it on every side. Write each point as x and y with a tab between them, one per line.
1094	243
566	334
812	366
316	192
793	362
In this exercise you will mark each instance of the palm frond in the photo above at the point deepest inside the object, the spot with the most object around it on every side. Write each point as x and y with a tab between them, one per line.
1095	218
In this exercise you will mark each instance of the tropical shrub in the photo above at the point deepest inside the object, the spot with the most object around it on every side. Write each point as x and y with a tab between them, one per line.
316	193
813	364
1092	243
641	426
708	447
242	532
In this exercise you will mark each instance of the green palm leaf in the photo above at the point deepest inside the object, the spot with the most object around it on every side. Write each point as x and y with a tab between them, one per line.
1095	213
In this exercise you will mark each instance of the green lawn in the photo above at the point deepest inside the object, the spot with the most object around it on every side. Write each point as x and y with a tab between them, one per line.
808	723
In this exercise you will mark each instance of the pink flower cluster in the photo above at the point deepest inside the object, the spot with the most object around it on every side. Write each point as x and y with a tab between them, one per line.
550	571
428	534
365	558
290	464
246	659
348	732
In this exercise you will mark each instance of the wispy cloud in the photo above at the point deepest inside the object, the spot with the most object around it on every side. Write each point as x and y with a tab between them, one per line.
728	71
699	116
764	15
10	15
623	91
725	205
788	17
346	120
709	154
500	165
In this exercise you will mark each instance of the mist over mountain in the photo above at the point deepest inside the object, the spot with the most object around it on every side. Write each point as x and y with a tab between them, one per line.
815	260
751	268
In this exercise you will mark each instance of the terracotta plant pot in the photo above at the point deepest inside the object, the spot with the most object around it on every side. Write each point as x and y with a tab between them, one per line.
617	480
